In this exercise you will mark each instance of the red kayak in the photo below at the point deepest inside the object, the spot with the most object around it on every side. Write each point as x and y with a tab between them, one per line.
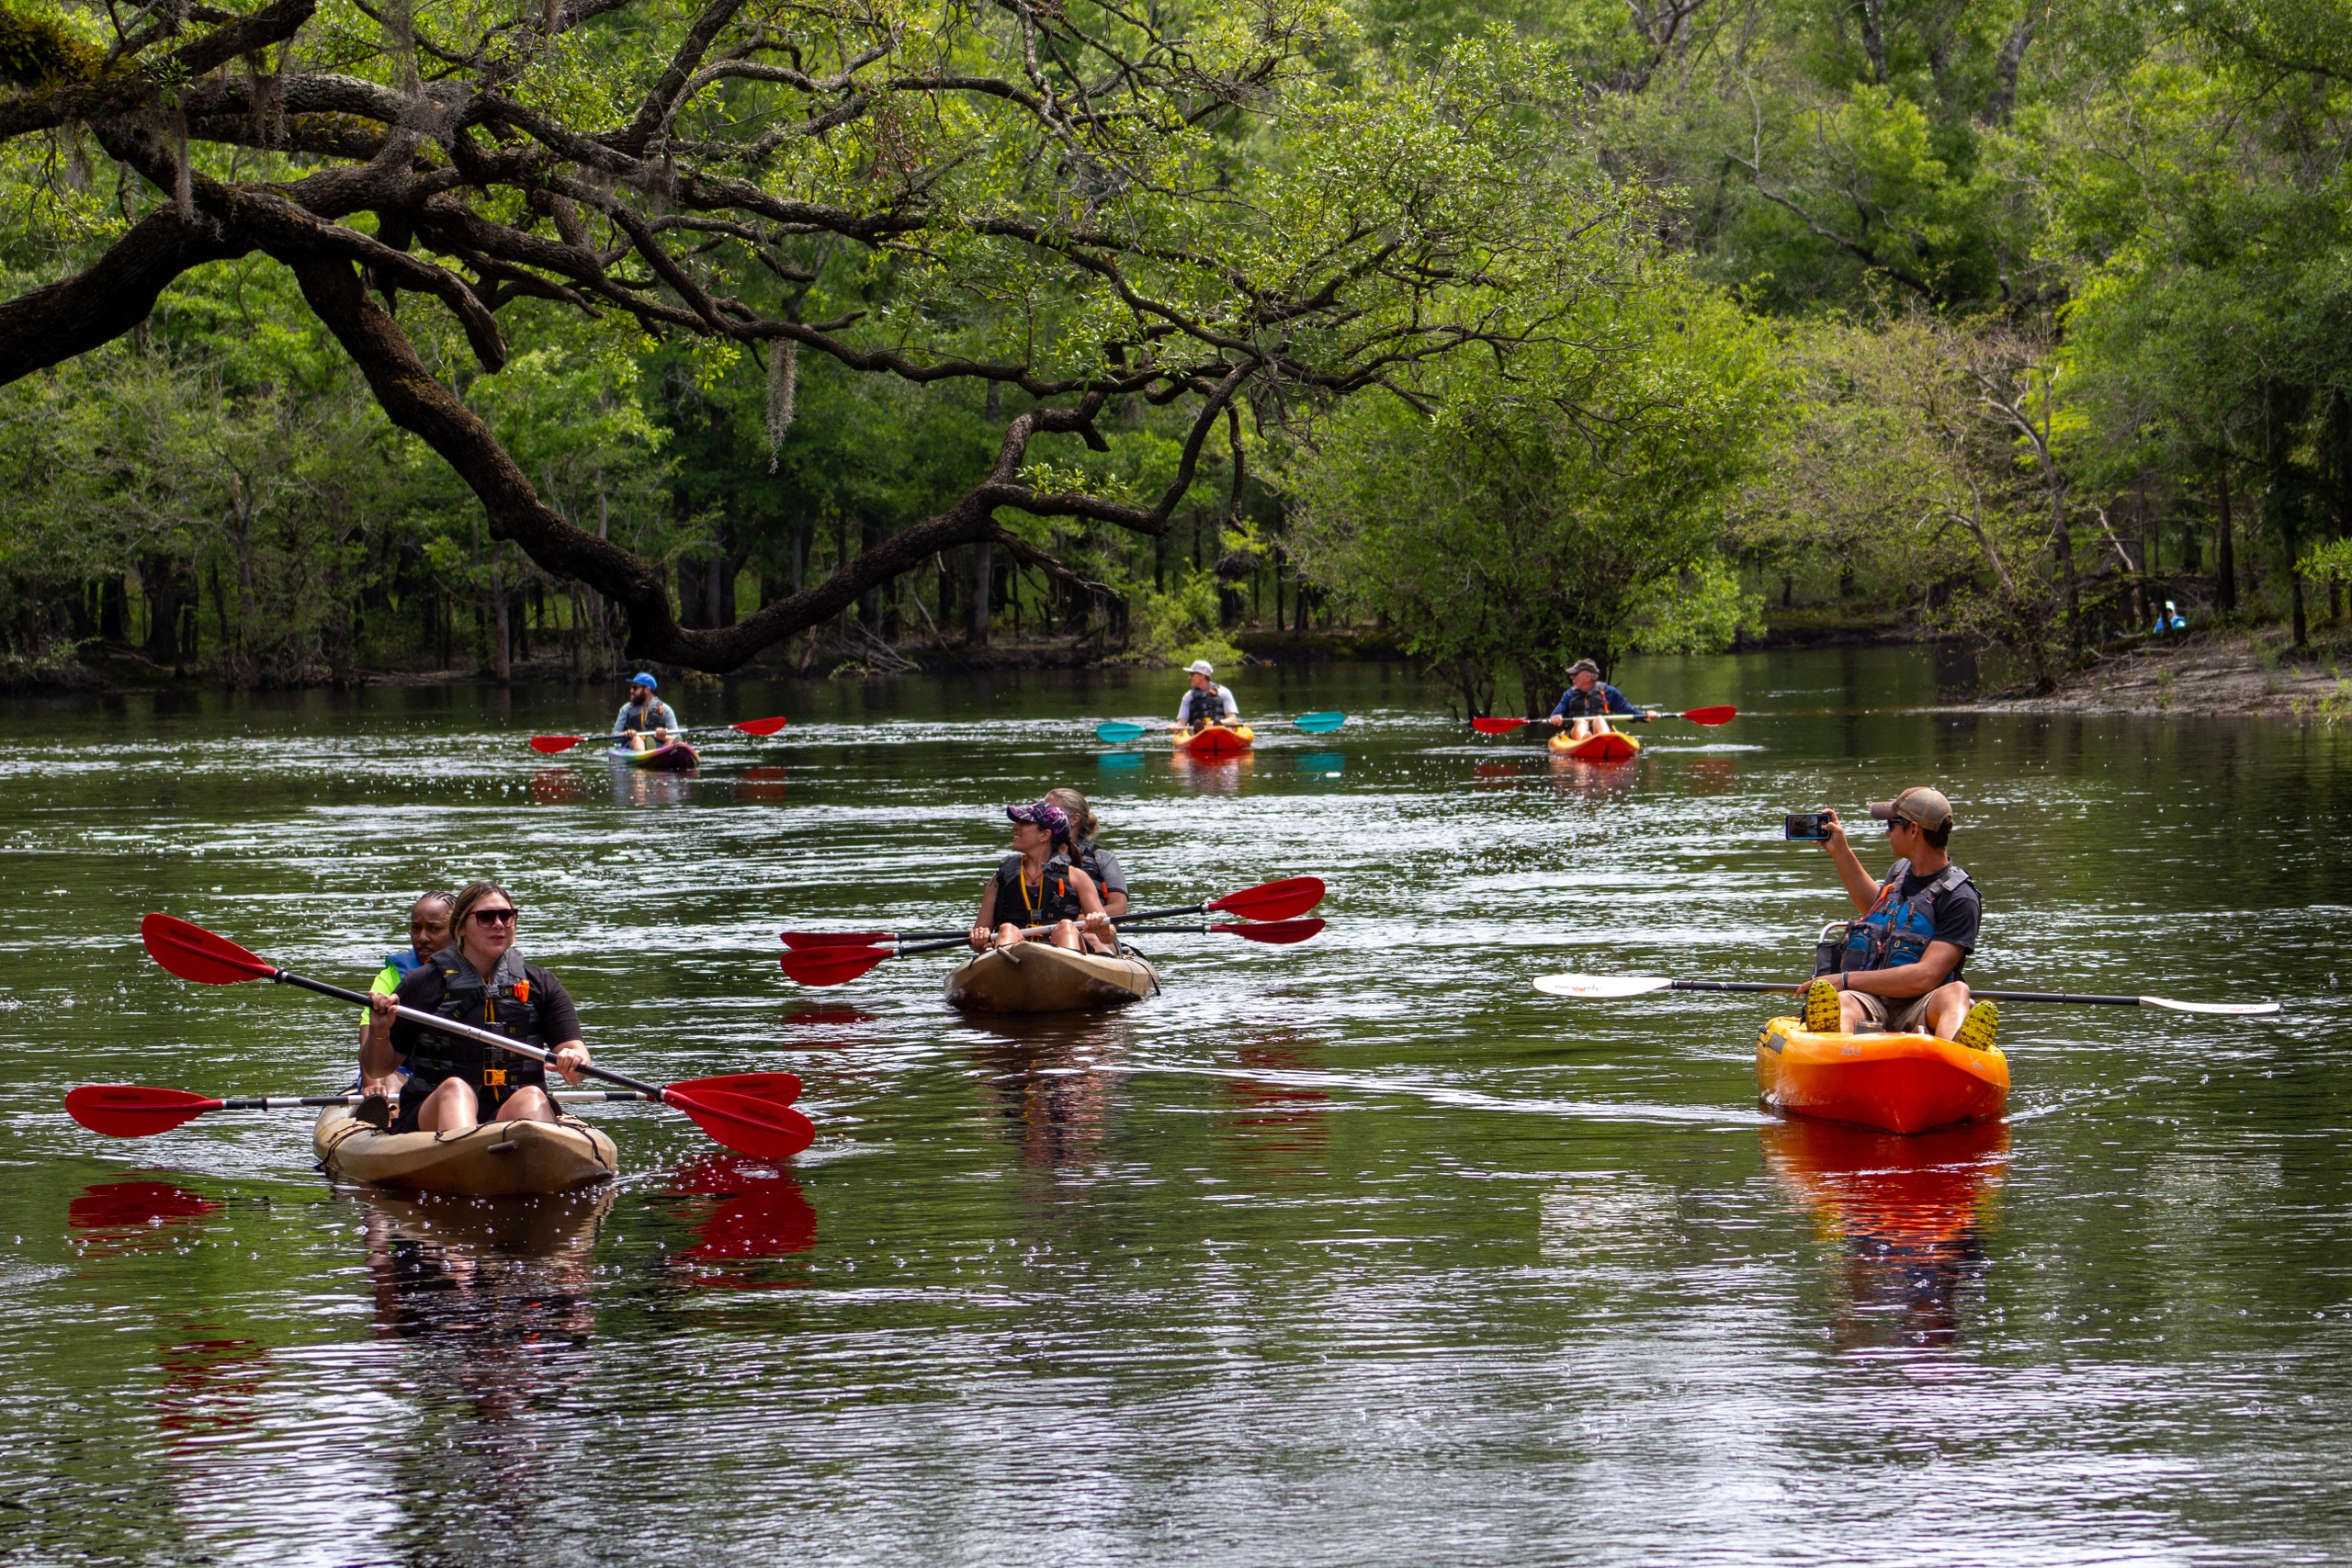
1216	742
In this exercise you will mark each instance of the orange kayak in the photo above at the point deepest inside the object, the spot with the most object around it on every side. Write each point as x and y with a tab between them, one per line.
1897	1083
1217	742
1607	747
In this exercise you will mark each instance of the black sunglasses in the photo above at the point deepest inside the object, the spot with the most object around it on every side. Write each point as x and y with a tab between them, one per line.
494	917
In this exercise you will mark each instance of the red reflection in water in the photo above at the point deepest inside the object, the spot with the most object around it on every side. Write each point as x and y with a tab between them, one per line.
210	1386
1288	1118
1907	1210
1711	775
1220	775
557	787
760	784
112	1205
823	1015
763	1214
1499	769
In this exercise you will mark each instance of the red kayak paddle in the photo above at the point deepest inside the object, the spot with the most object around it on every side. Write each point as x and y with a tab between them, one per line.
1722	715
744	1124
1266	901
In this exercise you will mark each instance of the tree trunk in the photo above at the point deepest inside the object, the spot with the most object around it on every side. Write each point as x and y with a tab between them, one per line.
2225	566
161	581
983	590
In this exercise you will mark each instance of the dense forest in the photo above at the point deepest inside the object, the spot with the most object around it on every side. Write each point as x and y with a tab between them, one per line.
341	335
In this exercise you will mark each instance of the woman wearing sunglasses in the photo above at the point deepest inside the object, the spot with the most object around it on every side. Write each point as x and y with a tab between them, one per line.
455	1083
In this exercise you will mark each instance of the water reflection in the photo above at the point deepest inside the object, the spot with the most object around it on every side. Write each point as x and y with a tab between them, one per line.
134	1217
1907	1213
501	1275
1711	775
1593	781
1040	1074
1220	775
1278	1120
643	786
557	787
760	784
761	1213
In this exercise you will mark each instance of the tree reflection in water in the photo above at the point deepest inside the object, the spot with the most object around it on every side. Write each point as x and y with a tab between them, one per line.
1907	1213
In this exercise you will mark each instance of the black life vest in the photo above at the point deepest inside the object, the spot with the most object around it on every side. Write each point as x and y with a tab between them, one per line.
1897	931
1018	904
1585	704
505	1005
1202	707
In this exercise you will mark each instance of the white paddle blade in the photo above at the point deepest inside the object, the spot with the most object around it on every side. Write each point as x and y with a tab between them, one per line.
2216	1010
1600	988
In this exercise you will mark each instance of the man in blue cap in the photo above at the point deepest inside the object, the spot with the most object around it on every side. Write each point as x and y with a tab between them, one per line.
645	714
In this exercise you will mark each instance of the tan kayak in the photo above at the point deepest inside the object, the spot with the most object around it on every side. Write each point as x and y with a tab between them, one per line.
495	1159
1032	977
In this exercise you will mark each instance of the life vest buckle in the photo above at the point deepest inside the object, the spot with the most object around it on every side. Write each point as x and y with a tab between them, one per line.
493	1077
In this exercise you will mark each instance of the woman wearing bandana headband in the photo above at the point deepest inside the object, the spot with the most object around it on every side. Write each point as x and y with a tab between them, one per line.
1038	885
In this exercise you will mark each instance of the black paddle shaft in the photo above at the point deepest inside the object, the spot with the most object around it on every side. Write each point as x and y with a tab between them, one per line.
463	1031
943	942
1986	996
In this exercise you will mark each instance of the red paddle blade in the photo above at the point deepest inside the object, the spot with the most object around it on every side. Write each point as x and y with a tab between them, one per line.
759	725
1496	726
124	1111
194	954
760	1128
1272	900
551	744
831	965
838	939
1722	715
776	1088
1279	934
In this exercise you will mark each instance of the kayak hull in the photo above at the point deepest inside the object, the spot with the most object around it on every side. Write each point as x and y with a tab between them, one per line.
1032	977
675	758
1217	742
495	1159
1896	1083
1607	747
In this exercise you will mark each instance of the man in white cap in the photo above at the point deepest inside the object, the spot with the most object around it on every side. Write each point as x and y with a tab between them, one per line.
1208	703
1897	968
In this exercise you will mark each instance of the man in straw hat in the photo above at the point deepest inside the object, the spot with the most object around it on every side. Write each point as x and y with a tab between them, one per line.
1897	967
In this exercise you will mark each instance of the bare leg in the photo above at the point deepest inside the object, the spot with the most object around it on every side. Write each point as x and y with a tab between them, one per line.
1064	934
451	1108
1850	1015
528	1105
1947	1009
1009	935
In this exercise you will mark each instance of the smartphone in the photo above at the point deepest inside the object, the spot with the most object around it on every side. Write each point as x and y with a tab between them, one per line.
1812	824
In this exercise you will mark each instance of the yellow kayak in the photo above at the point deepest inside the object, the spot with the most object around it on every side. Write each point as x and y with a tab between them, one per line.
1898	1083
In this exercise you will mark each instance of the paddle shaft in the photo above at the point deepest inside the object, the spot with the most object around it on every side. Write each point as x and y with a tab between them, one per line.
1973	991
464	1031
940	944
290	1102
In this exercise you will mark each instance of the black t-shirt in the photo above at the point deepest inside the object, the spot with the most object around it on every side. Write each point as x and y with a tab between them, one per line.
1957	911
423	989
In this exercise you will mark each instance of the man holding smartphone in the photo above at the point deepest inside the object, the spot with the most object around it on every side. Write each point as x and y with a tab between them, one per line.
1899	966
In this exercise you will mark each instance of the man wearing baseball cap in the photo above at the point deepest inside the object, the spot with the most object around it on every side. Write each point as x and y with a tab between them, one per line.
1897	968
645	714
1208	703
1588	699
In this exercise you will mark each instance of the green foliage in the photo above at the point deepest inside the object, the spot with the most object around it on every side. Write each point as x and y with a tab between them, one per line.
1549	515
1181	626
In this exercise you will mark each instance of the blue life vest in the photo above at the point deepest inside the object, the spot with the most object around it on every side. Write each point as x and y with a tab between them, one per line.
403	962
1897	931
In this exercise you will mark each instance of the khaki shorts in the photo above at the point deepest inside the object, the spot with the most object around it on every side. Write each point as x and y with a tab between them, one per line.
1895	1017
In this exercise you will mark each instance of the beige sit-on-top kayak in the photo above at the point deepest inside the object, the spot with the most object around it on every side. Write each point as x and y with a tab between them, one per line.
1032	977
495	1159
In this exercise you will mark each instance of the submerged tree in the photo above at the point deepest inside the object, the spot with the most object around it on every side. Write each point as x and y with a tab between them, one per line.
1199	206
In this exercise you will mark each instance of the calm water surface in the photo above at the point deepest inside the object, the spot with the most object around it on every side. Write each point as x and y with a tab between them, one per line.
1358	1252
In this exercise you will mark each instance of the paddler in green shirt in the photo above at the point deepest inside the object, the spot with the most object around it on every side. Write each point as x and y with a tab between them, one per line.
428	933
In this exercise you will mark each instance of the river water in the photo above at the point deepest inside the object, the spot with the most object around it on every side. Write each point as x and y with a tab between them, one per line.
1357	1252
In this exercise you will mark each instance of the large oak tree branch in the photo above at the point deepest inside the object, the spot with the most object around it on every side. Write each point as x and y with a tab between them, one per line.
80	314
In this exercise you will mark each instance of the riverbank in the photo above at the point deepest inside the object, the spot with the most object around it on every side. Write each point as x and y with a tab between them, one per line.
2200	674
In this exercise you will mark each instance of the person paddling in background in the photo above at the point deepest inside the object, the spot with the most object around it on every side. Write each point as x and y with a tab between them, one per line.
1110	881
1898	966
428	933
645	720
1037	885
1587	699
455	1083
1208	703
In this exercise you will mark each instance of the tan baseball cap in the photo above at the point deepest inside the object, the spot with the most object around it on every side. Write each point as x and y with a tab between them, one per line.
1919	805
